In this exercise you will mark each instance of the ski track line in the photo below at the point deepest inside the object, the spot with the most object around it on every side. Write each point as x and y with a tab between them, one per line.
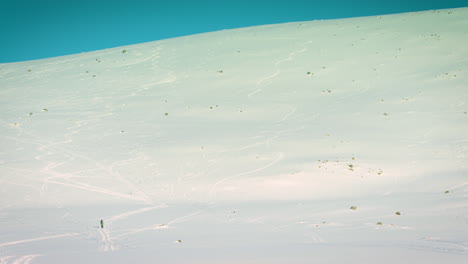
25	259
30	258
134	212
184	217
220	157
290	57
109	170
279	133
49	169
277	64
134	231
38	239
4	260
117	174
258	220
458	186
280	157
98	190
56	146
315	238
448	247
158	226
293	110
106	243
254	92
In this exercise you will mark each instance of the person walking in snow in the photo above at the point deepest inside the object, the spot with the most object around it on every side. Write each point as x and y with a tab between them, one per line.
102	223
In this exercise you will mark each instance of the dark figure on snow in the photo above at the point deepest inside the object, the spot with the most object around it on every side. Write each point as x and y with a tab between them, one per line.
102	223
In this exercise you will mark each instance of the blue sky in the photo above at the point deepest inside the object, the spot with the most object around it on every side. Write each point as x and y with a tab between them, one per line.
35	29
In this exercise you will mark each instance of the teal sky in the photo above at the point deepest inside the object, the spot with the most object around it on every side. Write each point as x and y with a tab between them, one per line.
36	29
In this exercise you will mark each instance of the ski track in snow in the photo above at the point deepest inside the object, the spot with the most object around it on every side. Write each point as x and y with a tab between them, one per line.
117	174
134	231
64	156
4	260
287	115
213	187
68	179
26	259
106	243
437	245
258	220
91	188
134	212
65	179
37	239
290	57
184	217
160	226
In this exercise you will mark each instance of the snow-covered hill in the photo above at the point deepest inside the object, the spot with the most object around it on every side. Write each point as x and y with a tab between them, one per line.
322	141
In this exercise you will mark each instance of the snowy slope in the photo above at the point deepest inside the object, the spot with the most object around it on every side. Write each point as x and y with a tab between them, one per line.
243	146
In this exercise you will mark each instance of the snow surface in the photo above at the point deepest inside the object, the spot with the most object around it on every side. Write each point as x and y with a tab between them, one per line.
338	141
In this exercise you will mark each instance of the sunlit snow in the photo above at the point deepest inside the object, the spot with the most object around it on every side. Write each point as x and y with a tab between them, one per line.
336	141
